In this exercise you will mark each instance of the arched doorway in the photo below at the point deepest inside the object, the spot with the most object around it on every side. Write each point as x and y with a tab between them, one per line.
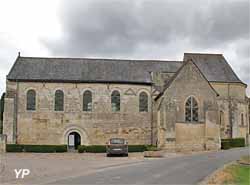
74	140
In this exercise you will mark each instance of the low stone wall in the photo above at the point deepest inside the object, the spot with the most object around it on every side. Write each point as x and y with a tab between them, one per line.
194	137
190	137
212	144
3	139
212	137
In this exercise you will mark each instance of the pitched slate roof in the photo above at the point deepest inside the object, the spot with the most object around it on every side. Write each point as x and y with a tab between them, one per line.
166	86
214	67
88	70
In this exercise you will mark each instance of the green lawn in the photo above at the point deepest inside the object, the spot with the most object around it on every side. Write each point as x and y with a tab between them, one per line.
240	174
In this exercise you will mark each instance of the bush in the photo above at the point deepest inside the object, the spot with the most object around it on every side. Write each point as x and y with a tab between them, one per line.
14	148
151	148
225	145
102	148
234	142
36	148
238	142
81	149
95	148
136	148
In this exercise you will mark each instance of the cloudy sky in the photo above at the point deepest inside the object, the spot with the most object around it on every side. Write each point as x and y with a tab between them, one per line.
135	29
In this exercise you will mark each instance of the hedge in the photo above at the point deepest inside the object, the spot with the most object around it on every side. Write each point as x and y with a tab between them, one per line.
92	149
36	148
232	143
136	148
151	148
81	148
102	148
238	142
225	145
14	148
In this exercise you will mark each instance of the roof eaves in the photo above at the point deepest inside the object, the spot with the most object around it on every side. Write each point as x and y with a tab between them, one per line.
232	69
79	81
231	82
13	66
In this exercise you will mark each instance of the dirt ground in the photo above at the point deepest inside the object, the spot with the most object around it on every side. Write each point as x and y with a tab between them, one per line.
220	177
48	167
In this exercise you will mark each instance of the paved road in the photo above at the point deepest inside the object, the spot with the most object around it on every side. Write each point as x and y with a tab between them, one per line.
179	170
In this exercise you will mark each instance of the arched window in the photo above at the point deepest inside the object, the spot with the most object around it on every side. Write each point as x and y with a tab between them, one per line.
242	119
87	101
143	102
191	110
115	101
59	100
31	100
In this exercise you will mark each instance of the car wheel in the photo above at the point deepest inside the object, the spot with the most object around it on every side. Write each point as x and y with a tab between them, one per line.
108	155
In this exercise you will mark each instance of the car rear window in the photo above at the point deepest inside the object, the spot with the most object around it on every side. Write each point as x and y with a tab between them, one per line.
117	141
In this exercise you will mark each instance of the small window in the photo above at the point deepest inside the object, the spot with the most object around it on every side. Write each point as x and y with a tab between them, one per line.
31	100
191	110
87	101
242	119
59	100
143	102
115	101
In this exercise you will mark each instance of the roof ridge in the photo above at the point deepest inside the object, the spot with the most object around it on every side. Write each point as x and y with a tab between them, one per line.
104	59
220	54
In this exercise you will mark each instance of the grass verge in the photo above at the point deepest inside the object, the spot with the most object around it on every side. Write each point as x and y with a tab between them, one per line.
233	174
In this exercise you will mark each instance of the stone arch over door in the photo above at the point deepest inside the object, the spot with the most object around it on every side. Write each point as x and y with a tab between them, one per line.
80	131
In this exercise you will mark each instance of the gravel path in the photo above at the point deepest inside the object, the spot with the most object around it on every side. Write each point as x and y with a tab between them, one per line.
48	167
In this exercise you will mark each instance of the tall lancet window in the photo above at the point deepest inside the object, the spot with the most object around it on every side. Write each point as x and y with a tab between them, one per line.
191	110
143	102
115	101
31	100
59	100
87	101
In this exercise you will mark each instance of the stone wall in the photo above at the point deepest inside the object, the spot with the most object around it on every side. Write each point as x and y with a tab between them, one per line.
232	103
3	140
8	120
46	126
172	127
190	136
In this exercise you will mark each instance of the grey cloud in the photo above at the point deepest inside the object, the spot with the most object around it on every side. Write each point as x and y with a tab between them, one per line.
159	28
120	27
223	23
117	26
243	49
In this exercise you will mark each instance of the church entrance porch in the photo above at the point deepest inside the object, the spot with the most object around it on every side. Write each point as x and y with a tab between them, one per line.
74	140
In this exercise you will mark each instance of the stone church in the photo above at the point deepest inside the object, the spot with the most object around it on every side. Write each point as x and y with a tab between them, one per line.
176	105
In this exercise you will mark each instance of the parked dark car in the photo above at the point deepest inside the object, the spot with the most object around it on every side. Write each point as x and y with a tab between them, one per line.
117	146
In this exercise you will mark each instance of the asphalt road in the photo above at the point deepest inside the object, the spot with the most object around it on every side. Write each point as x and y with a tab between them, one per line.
189	169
